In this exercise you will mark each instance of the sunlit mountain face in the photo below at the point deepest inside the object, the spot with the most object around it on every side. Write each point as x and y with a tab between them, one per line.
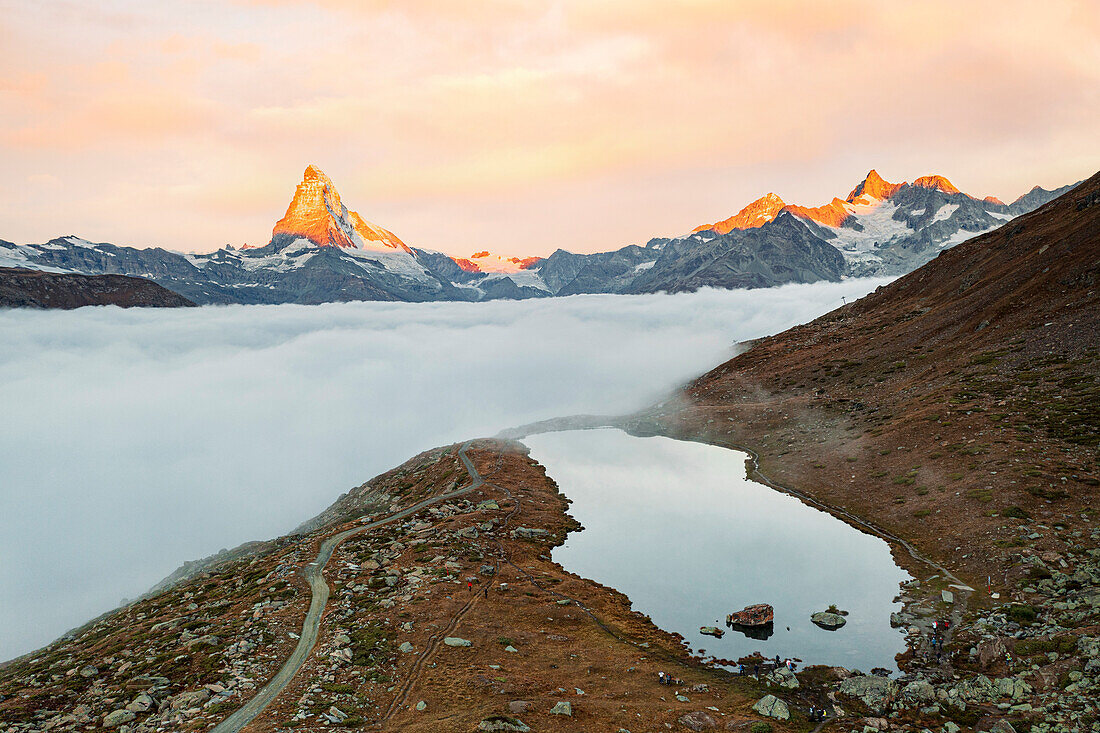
316	213
486	261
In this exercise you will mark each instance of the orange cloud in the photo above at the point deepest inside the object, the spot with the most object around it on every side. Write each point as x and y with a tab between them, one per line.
518	113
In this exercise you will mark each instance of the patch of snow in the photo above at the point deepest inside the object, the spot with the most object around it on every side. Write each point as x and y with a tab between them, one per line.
78	242
522	278
944	213
644	266
918	212
17	256
879	227
961	236
996	215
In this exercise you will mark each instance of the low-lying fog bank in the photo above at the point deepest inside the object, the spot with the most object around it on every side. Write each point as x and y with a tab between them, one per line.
134	440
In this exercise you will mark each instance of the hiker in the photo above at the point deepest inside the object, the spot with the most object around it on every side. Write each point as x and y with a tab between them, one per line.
661	677
470	585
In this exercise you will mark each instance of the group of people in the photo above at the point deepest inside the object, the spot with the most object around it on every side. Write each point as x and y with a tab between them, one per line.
816	714
935	642
743	669
667	679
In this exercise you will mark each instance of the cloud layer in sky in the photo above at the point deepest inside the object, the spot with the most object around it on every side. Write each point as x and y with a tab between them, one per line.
522	126
135	440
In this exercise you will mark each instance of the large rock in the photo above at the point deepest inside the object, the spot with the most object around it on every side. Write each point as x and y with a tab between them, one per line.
699	720
992	652
784	678
758	614
875	692
828	620
771	706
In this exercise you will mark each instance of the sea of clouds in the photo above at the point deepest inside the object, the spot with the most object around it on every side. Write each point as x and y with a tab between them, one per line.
133	440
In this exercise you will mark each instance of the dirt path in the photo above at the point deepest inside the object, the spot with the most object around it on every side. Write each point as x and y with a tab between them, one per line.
311	624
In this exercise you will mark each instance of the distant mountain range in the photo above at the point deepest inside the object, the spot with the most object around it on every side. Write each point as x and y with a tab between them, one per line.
321	251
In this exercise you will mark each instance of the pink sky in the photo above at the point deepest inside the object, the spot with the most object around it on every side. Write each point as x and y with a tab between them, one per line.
521	127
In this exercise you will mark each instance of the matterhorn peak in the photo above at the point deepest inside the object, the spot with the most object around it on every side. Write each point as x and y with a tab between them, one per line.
756	214
316	213
873	186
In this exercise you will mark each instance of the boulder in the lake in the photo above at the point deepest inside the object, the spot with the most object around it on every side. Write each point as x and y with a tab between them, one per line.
711	631
759	614
771	706
828	620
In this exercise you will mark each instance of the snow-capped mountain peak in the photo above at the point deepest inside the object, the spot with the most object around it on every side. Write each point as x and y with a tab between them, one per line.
316	213
938	183
873	187
756	214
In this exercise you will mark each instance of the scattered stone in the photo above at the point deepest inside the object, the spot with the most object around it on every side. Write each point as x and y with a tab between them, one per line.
771	706
143	703
89	670
529	533
947	596
405	647
562	708
518	706
421	706
455	641
117	718
502	722
510	648
711	631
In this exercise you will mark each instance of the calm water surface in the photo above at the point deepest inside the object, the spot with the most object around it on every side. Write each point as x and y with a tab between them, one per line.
678	528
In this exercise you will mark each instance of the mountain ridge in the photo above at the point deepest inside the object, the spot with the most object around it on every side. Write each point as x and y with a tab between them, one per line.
321	251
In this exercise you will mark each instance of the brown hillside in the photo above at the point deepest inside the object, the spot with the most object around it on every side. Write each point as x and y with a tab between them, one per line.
20	288
947	407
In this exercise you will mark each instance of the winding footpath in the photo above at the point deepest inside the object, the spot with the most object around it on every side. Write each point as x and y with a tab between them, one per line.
312	623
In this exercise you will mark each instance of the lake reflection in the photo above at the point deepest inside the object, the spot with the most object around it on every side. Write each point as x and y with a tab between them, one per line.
678	528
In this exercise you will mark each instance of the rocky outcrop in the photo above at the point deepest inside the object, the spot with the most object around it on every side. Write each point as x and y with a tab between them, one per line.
875	692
